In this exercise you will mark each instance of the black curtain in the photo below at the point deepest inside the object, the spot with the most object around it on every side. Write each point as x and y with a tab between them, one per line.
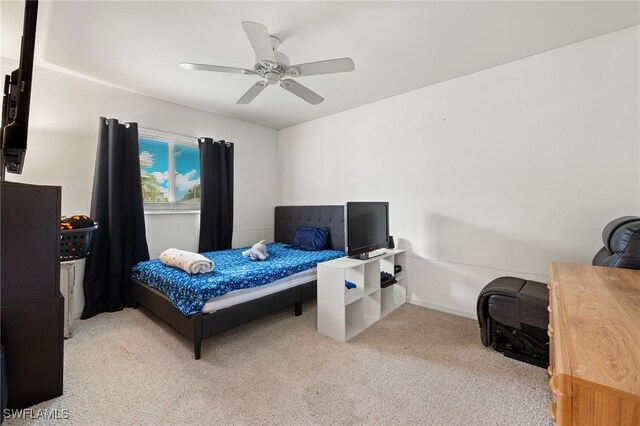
116	204
216	185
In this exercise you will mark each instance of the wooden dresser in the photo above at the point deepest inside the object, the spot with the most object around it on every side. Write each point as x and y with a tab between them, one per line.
594	341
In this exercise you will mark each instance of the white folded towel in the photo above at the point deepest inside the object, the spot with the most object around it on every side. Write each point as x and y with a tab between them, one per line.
191	263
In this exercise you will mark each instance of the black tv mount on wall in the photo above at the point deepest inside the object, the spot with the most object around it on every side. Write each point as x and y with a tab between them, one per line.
16	98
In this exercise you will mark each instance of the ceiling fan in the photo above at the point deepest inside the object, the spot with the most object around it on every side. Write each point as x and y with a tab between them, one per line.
273	67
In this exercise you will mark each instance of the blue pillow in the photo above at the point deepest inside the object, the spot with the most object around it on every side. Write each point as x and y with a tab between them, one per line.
311	239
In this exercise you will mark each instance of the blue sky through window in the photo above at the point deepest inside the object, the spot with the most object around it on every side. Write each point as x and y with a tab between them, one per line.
187	164
154	161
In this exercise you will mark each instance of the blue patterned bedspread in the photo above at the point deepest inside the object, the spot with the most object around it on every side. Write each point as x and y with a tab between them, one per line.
232	271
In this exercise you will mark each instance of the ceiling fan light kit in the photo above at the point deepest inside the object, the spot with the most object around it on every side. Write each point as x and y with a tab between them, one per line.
274	68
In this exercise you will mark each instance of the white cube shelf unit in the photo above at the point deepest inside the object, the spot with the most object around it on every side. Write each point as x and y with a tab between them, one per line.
344	313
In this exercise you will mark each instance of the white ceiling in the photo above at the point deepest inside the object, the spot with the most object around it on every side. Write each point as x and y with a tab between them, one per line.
396	46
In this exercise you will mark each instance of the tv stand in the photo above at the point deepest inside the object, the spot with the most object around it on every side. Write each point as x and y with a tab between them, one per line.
344	313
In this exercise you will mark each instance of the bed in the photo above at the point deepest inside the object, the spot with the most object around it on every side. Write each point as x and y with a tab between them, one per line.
234	308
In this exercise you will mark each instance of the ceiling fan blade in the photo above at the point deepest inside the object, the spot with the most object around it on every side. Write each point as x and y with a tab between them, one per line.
321	67
260	42
217	68
301	91
250	94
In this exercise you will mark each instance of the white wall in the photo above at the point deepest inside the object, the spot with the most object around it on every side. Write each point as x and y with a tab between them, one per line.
62	147
494	173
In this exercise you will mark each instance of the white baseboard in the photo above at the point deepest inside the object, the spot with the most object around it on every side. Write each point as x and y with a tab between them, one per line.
442	308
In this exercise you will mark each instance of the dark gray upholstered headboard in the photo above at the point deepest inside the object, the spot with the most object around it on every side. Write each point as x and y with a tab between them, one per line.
288	218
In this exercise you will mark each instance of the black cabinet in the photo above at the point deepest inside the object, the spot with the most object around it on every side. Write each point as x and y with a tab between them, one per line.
32	307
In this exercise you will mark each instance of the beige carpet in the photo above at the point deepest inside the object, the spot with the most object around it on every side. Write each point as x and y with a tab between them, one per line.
416	366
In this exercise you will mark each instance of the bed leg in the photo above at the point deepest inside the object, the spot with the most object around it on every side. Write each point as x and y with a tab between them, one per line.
298	309
197	336
197	346
135	304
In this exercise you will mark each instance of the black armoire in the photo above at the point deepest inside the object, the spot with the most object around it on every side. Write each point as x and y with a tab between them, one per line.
32	308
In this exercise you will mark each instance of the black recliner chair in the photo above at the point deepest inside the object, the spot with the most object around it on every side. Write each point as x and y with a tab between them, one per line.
512	312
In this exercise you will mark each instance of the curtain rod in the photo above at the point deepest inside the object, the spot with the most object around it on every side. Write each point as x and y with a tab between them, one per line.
164	133
151	132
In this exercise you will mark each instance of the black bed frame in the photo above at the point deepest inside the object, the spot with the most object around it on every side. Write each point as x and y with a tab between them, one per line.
202	325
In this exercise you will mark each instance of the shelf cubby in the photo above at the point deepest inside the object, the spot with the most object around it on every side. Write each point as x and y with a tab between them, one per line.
354	319
372	308
371	277
356	276
388	301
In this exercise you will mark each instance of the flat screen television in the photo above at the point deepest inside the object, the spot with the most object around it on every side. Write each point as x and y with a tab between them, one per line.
16	98
366	227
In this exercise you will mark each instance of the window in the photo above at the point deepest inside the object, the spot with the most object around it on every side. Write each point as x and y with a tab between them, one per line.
170	172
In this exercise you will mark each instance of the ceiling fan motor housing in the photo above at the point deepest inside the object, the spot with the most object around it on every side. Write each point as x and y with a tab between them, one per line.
272	77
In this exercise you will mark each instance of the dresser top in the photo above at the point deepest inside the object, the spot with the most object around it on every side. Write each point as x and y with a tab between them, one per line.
599	321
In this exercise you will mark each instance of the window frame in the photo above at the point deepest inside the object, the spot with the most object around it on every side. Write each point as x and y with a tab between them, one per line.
171	139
